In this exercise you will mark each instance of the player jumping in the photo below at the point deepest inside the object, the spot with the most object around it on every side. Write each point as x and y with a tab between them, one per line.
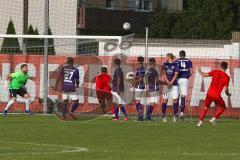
171	71
103	90
118	90
185	72
16	87
69	77
220	81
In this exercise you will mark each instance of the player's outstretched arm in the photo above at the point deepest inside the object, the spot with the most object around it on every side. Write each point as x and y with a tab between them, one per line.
203	74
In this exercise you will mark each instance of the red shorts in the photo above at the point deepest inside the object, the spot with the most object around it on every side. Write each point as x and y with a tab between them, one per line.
104	96
218	101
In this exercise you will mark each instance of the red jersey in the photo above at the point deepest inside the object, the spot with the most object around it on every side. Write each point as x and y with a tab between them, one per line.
219	80
103	81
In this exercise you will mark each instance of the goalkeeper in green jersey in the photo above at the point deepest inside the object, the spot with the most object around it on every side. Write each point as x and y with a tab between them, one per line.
16	87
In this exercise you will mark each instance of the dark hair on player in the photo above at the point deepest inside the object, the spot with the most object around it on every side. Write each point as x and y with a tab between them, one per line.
182	53
140	59
104	69
152	60
117	61
224	65
170	55
23	65
70	60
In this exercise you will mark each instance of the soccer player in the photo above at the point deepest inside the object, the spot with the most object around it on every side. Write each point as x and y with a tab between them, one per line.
69	77
16	87
103	89
220	81
185	72
171	71
153	88
139	87
118	90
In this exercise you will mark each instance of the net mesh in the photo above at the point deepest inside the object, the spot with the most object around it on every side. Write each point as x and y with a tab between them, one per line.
91	54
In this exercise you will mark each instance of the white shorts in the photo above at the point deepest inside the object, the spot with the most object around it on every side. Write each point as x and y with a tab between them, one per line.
118	98
173	92
183	86
153	97
69	96
140	95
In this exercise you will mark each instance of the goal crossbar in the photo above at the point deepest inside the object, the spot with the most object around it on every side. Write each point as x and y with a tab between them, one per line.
61	37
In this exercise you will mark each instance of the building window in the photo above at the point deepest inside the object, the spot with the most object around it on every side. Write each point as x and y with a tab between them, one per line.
132	4
144	5
82	2
109	4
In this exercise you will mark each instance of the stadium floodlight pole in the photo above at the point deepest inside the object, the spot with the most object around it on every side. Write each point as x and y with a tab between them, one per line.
45	84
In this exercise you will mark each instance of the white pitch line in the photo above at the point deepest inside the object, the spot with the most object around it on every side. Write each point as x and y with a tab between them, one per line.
66	149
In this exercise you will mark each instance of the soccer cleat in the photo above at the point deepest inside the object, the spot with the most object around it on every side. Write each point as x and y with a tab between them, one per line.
5	112
115	119
126	119
181	116
29	112
63	118
164	119
213	121
199	124
73	116
174	119
140	118
149	118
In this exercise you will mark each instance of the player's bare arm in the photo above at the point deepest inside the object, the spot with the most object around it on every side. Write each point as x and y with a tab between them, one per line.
191	72
77	83
161	82
174	78
137	80
58	80
227	91
203	74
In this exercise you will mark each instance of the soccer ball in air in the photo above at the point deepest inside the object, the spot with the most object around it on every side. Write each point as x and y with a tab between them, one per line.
126	26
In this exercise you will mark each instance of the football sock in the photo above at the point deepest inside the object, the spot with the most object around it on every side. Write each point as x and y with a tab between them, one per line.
64	110
149	111
74	107
116	110
183	101
9	104
27	103
164	108
140	111
203	114
123	109
219	112
175	108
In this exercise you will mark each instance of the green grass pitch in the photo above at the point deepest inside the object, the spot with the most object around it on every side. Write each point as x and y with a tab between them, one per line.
40	137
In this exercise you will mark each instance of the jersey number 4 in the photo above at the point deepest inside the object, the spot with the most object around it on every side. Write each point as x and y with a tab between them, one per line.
183	65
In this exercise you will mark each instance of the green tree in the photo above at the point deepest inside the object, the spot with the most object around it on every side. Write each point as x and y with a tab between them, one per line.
206	19
31	43
10	45
51	49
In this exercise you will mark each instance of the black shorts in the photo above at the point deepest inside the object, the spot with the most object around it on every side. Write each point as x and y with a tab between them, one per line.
14	92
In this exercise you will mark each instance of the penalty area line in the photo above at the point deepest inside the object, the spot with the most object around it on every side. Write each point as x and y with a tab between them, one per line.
62	148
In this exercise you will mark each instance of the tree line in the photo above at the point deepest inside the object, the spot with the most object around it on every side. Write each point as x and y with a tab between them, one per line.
32	46
199	19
